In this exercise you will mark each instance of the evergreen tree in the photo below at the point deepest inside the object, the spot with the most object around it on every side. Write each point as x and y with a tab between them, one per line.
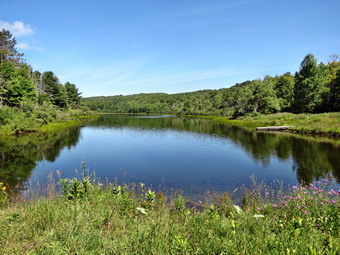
73	94
8	52
309	87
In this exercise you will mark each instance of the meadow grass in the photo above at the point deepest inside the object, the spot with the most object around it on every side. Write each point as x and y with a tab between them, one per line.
322	123
87	217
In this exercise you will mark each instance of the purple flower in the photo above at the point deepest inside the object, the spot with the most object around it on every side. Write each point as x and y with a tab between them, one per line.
258	208
298	197
275	205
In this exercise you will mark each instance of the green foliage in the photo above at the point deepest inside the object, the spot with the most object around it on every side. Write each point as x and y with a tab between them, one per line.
150	197
73	95
107	223
22	88
8	51
308	85
335	92
74	189
284	88
269	95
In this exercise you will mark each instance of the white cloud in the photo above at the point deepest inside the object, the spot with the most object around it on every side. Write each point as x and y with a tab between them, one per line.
26	46
17	28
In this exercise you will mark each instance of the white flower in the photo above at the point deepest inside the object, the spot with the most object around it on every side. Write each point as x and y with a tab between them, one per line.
238	209
141	210
258	216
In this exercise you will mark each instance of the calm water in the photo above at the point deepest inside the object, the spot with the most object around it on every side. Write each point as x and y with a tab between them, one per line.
168	153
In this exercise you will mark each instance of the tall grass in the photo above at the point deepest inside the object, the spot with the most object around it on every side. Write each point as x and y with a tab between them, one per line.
323	123
91	218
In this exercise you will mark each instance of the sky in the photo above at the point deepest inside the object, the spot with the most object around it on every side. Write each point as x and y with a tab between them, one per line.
110	47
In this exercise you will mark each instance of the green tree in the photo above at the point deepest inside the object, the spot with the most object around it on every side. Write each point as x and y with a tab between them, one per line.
50	83
8	52
264	98
73	94
17	85
60	98
284	88
309	87
335	92
55	91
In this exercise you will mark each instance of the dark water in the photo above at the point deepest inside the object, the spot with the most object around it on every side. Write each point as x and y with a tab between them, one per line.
168	153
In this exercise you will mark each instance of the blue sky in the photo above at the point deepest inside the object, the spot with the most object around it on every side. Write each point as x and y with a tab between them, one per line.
127	47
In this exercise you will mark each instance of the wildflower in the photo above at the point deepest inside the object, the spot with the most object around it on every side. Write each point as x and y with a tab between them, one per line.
238	209
258	208
275	205
333	201
258	216
306	212
298	197
141	210
299	207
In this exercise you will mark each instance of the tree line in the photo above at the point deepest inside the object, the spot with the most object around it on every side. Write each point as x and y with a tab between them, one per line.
20	84
314	88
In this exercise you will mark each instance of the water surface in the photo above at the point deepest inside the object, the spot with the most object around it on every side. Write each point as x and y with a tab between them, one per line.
168	153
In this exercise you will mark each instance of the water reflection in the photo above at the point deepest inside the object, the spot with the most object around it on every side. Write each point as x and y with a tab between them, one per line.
309	158
20	155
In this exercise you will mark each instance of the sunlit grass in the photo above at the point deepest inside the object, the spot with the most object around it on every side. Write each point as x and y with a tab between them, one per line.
323	123
92	218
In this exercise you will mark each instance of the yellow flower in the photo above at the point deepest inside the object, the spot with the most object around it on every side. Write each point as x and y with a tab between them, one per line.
3	188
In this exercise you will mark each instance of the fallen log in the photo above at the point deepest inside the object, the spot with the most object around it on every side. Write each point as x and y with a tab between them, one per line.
273	128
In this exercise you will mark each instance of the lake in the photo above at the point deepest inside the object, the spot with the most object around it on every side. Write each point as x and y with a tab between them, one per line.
168	153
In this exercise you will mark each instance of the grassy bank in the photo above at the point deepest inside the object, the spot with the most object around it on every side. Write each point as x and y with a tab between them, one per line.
90	218
323	123
32	118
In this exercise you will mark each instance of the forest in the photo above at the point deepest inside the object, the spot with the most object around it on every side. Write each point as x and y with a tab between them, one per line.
29	98
315	88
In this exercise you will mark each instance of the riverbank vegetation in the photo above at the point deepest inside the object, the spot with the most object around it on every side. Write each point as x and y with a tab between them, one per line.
318	124
295	100
92	218
315	88
28	98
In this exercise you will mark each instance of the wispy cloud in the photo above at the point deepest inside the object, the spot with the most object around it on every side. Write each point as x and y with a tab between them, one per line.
207	9
26	46
17	28
172	77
